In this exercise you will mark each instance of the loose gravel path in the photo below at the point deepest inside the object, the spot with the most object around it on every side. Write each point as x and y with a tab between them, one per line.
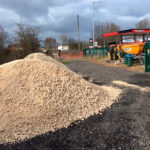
105	74
125	126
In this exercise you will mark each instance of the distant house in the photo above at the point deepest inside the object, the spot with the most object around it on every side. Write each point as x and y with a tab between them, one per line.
41	49
12	48
63	47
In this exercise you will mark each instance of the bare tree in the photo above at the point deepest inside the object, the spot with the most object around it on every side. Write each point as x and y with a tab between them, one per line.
112	27
63	39
73	44
50	43
3	43
102	28
3	38
28	40
83	44
143	24
99	31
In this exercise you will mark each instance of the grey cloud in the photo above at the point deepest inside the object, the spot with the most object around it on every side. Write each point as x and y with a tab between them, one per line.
31	8
57	17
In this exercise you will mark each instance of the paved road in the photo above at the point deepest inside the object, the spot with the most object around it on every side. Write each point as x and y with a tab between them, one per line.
125	126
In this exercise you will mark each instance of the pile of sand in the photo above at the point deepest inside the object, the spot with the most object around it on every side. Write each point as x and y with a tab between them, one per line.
39	94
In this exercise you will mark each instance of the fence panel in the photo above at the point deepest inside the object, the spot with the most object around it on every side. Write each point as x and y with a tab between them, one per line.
102	52
147	57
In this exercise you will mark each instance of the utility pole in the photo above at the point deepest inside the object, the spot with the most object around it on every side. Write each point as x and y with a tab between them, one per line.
93	26
78	32
93	21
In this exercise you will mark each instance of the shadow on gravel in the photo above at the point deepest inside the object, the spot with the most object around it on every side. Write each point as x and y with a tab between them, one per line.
140	79
88	78
108	131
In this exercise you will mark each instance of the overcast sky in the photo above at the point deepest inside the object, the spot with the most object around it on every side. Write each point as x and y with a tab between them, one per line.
56	17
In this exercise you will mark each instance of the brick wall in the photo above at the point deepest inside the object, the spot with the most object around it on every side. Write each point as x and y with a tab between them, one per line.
68	55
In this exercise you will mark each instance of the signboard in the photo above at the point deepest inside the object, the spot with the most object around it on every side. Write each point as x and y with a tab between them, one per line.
63	48
96	44
127	32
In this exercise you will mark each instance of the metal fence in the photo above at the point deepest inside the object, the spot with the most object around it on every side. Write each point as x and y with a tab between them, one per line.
147	57
102	52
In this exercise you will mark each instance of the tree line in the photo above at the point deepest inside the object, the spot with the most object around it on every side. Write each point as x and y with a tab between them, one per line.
26	39
51	42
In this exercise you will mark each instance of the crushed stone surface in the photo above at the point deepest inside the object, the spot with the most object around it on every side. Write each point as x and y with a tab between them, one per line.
128	85
39	94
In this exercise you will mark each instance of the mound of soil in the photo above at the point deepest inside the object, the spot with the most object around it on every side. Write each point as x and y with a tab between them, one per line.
39	94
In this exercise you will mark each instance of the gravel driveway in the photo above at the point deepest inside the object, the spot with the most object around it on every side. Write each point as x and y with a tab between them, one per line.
107	74
125	126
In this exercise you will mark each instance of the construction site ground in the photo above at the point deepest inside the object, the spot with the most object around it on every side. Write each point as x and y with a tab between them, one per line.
99	60
126	125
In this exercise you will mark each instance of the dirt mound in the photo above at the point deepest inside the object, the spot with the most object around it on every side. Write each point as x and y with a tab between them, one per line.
42	57
38	94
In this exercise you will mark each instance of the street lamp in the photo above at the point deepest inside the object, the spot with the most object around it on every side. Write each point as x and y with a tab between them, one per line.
93	20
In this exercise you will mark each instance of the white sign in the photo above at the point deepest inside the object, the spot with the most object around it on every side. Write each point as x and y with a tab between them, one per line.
63	48
139	31
96	44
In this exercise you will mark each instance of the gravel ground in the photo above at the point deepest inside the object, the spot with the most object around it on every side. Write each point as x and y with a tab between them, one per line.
101	73
126	125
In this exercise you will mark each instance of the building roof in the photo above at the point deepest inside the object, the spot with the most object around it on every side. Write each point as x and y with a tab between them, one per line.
128	32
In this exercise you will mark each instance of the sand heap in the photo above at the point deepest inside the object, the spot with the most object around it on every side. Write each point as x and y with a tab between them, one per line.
39	94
